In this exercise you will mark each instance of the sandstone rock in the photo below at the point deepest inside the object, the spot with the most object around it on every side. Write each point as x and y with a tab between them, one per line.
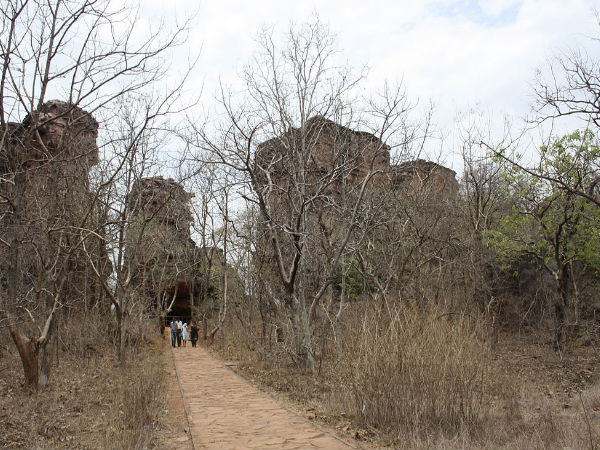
319	168
166	262
323	146
44	174
419	174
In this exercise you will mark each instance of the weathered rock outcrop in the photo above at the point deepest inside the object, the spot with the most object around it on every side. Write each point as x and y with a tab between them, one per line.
162	200
47	210
324	148
310	178
167	266
419	175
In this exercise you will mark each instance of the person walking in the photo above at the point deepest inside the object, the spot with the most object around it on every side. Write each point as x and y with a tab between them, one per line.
194	334
173	326
179	325
184	333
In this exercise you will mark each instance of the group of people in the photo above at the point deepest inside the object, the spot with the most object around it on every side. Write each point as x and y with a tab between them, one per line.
179	333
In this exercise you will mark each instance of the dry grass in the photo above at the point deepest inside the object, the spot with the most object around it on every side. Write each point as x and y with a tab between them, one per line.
422	378
416	371
591	397
92	401
140	396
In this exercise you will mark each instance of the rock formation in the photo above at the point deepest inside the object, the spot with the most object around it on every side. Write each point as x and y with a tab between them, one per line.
167	266
46	209
420	175
163	201
319	169
325	147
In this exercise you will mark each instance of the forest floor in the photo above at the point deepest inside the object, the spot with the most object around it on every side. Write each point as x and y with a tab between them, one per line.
92	401
189	398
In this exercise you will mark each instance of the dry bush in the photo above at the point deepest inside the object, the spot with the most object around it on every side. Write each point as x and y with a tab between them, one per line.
91	402
423	377
140	324
141	398
418	370
591	396
85	333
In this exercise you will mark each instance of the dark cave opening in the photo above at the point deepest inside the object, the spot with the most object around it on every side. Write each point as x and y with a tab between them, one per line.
185	297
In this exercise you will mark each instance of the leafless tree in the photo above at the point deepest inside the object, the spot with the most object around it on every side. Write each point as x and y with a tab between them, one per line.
203	179
295	97
47	216
569	86
131	155
90	54
83	50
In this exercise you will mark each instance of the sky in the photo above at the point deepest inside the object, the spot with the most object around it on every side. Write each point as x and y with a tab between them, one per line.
457	54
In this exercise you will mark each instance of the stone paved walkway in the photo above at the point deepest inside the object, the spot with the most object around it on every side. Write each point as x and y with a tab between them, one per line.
227	412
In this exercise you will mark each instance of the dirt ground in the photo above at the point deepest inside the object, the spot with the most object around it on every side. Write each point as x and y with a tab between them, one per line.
91	402
175	431
553	401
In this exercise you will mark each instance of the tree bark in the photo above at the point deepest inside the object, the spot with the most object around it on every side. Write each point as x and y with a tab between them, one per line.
560	305
28	351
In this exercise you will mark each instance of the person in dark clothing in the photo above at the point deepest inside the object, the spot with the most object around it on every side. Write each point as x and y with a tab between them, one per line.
179	325
194	334
173	326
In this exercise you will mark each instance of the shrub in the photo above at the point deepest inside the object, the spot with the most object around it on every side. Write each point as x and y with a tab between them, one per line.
418	369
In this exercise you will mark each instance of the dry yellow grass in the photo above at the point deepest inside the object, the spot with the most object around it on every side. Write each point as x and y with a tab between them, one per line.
423	378
418	371
91	402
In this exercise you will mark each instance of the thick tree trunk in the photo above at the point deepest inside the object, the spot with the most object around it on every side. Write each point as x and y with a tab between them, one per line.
34	352
28	351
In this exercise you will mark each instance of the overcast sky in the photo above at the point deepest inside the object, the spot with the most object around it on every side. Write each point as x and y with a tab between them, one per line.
456	53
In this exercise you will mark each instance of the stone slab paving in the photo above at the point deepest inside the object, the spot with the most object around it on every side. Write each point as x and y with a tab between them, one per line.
227	412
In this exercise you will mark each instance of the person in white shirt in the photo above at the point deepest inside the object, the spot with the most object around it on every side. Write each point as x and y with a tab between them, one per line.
184	333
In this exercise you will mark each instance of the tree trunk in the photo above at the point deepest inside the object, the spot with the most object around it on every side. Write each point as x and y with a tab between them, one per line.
162	318
34	352
192	305
45	357
120	335
560	305
28	351
303	337
308	342
559	313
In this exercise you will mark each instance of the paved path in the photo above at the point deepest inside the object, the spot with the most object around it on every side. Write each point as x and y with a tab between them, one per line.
226	412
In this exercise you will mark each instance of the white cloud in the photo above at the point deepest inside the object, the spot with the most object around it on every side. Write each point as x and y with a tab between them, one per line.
454	52
496	7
